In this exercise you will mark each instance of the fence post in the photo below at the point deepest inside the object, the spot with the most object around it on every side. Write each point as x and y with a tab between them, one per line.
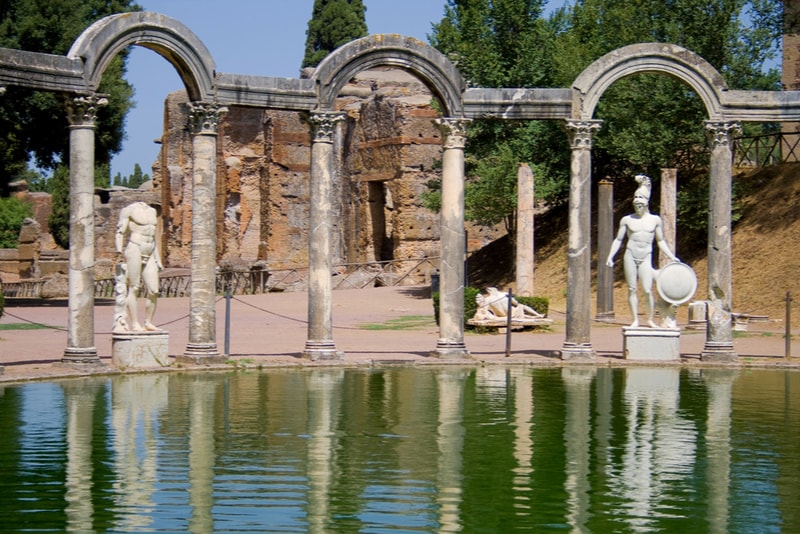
788	351
508	325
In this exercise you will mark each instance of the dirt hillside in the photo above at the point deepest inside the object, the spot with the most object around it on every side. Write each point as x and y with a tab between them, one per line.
766	252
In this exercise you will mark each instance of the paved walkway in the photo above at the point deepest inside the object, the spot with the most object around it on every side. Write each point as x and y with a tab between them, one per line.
271	330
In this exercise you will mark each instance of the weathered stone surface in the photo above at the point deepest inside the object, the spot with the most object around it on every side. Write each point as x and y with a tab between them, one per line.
388	150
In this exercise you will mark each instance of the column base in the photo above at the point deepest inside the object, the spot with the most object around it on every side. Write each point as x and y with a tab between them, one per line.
606	317
2	369
577	351
719	352
82	356
321	350
450	350
201	354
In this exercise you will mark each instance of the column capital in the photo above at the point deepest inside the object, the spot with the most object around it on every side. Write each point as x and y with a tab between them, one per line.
581	132
720	133
323	125
454	131
82	110
204	117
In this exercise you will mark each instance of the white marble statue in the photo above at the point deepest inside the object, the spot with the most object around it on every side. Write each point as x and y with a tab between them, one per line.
641	228
136	241
494	306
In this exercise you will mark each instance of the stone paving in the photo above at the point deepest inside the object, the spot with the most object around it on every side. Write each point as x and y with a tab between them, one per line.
270	330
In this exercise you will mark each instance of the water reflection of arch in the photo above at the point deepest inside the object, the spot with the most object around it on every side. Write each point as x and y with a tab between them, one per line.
176	43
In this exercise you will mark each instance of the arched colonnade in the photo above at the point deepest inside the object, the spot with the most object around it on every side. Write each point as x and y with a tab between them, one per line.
77	75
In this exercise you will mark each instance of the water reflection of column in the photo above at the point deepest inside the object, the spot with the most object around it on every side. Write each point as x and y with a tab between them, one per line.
79	397
135	404
523	444
323	410
659	447
201	454
719	383
450	439
578	385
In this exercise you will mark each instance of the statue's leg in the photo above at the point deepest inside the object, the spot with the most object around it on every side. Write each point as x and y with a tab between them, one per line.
150	278
133	260
630	278
646	276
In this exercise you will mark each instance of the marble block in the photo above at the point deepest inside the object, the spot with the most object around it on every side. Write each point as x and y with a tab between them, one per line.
140	349
651	344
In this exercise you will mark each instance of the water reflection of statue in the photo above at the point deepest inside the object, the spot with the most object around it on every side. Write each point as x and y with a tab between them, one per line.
138	223
641	228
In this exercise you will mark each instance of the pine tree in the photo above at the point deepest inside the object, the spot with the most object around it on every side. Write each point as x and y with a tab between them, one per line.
333	23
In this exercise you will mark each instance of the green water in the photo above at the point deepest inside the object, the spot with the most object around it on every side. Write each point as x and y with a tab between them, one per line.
405	450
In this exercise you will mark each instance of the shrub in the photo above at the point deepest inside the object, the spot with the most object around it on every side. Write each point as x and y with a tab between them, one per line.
13	212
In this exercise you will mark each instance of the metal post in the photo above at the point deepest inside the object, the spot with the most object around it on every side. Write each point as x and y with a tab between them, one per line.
788	335
508	325
228	321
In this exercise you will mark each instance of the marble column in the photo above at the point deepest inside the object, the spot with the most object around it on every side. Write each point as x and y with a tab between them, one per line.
579	250
719	332
525	227
669	212
451	282
319	345
204	119
81	112
605	235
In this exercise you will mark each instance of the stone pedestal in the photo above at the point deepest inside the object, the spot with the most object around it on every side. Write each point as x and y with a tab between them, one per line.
651	344
140	349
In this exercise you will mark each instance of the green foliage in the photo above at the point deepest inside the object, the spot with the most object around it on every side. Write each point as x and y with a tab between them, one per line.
503	43
648	118
59	215
134	180
539	304
33	125
13	212
333	23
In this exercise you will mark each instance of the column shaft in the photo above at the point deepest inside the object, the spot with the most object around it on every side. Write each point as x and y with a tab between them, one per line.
605	235
719	332
577	344
669	212
204	120
451	294
525	227
80	321
320	345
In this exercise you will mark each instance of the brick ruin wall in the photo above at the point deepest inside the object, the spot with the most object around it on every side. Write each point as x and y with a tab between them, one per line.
389	148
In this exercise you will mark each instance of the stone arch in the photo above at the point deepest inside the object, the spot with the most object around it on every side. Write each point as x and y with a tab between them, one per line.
104	39
668	59
393	50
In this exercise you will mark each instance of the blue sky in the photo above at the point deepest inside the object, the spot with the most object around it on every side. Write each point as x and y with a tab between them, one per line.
257	37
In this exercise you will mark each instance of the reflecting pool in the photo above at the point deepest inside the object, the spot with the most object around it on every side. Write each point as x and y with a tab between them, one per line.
490	449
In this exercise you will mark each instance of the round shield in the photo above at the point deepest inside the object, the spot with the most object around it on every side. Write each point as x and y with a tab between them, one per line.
676	283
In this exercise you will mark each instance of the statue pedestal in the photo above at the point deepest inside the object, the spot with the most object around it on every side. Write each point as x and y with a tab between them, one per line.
651	344
140	349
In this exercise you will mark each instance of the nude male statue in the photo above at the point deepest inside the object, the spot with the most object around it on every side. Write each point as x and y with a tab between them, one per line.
641	228
138	223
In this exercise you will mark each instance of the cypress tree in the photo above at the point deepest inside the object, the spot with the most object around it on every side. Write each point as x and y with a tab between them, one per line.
333	23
